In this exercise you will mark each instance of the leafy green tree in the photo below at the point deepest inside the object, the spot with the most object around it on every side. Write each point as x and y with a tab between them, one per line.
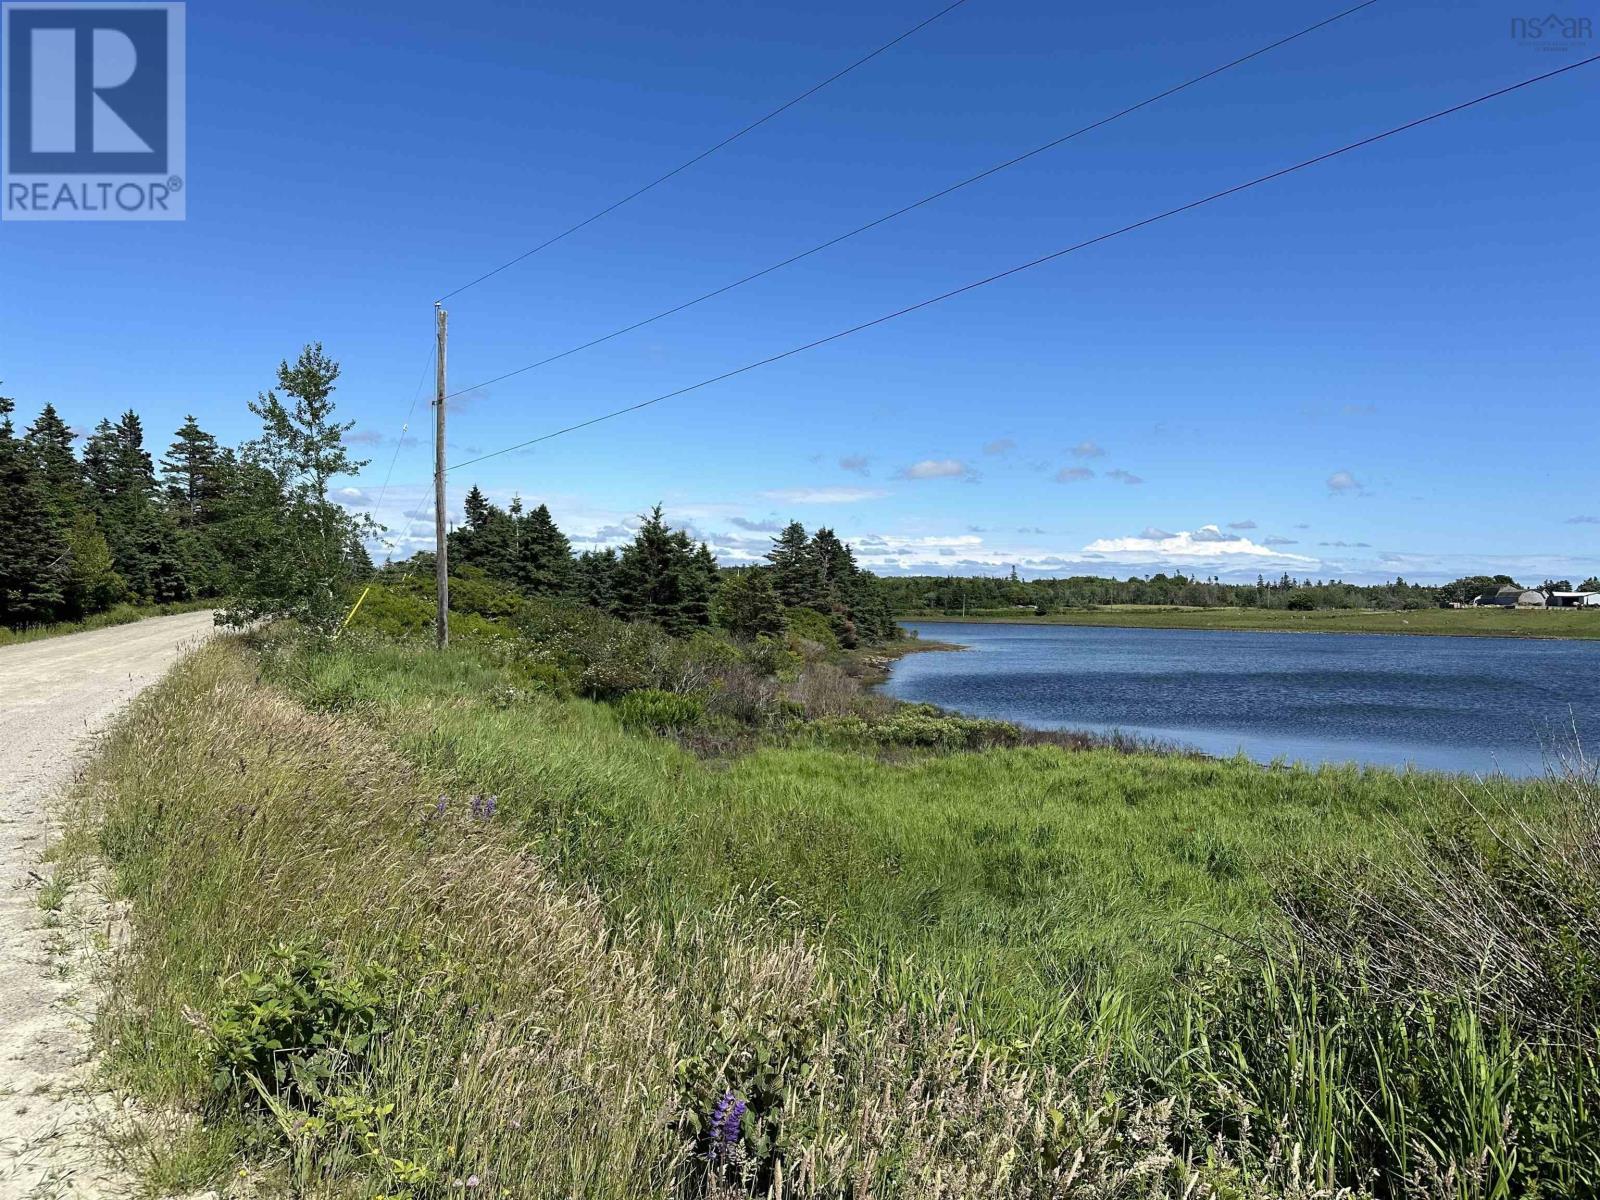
1591	584
91	583
303	539
544	556
32	550
748	606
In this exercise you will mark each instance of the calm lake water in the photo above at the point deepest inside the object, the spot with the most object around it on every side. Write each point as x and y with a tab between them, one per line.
1475	705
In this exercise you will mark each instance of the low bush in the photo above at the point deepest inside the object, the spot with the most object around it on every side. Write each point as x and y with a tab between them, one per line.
656	711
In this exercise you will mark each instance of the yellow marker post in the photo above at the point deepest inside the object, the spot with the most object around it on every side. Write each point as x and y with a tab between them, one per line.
355	609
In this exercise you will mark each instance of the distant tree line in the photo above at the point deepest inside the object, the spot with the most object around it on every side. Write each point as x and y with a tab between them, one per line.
81	532
665	577
954	594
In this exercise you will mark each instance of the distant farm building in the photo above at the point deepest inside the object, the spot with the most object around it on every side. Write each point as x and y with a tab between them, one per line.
1575	599
1512	597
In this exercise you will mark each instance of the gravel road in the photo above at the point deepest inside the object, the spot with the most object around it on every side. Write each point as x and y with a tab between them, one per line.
55	696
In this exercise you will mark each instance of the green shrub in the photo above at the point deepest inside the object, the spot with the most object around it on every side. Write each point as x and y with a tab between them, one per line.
293	1033
660	712
808	625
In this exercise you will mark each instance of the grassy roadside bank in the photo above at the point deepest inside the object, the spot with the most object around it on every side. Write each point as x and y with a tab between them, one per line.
922	970
122	614
1445	622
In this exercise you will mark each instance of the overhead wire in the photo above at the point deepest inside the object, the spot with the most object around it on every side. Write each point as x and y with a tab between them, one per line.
1040	261
706	153
925	200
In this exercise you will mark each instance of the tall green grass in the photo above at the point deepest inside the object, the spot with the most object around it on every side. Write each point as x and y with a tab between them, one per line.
1025	971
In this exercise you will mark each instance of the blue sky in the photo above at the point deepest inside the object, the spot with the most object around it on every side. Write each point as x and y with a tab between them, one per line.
1385	364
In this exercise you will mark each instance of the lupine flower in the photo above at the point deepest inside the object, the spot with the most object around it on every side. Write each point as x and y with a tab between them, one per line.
727	1124
733	1123
489	804
443	803
473	803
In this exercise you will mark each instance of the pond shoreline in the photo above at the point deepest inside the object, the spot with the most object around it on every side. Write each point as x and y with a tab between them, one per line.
1157	622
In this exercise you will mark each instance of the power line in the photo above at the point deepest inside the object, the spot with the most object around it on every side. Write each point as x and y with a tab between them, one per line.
727	141
929	199
1171	212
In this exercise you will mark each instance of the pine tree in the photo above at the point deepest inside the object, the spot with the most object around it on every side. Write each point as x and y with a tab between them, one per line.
544	556
32	550
796	576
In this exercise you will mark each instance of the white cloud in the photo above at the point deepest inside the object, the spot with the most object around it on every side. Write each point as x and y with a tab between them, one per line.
1003	445
1207	542
857	463
768	526
1241	524
1087	449
936	468
1073	474
1342	483
824	495
1583	520
351	496
1127	477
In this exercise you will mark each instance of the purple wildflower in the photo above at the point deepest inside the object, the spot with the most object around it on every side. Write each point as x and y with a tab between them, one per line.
472	805
489	803
438	809
727	1124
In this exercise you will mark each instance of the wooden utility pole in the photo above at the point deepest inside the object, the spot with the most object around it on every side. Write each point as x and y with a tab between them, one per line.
441	542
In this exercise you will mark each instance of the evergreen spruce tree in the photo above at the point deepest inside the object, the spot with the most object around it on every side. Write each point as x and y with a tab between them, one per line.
142	536
594	578
48	443
655	576
488	541
795	573
544	556
194	475
33	552
701	582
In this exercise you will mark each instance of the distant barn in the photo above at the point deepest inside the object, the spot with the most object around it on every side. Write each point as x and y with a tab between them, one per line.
1512	597
1575	599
